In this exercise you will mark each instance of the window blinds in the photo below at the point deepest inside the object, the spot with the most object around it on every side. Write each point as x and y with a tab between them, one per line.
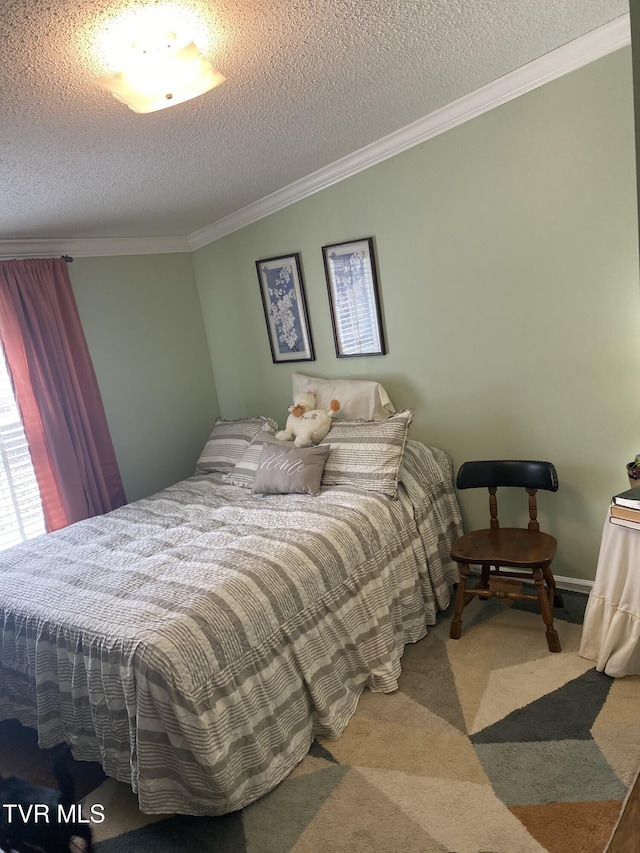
20	506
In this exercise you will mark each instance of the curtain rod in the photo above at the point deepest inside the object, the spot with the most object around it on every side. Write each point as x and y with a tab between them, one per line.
67	258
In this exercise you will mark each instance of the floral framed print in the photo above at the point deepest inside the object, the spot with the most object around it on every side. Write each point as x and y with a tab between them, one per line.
352	282
285	309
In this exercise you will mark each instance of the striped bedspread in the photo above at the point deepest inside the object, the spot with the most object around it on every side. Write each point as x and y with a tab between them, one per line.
194	642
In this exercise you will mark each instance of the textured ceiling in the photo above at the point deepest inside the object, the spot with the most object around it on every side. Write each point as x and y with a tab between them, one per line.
308	82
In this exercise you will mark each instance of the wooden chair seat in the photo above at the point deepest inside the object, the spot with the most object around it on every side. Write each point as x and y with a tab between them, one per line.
506	546
517	554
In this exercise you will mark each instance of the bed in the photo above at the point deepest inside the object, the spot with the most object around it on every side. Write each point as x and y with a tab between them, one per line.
196	641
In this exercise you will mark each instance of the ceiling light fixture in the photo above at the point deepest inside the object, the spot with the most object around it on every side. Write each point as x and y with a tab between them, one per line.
158	73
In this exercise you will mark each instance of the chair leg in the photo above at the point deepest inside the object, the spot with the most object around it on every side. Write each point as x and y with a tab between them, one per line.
461	594
553	641
555	595
484	583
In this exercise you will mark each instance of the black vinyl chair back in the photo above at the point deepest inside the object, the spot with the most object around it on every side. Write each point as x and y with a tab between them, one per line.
525	473
492	474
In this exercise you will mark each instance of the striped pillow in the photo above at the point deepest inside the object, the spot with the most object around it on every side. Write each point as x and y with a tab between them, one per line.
367	454
228	441
245	471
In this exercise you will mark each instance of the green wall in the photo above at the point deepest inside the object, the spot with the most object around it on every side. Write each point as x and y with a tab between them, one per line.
143	325
508	264
634	19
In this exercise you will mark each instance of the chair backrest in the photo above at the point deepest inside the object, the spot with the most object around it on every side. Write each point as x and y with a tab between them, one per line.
523	473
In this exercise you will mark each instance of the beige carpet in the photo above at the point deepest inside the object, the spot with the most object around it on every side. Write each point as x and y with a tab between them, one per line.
491	745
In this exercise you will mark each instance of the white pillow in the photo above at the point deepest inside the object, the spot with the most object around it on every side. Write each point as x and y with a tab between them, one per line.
360	399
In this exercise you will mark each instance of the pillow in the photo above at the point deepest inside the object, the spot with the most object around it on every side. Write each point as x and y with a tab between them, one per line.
245	470
284	469
358	398
228	441
367	454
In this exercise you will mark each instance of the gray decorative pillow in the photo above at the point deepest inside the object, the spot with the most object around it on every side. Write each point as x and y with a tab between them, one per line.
367	454
228	441
245	469
284	469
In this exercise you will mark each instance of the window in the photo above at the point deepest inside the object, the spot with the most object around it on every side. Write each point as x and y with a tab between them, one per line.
21	514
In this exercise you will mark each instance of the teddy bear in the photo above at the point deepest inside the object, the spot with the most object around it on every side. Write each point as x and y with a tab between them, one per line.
307	425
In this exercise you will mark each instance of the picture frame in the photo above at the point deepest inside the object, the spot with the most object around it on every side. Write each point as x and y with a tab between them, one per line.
285	308
354	299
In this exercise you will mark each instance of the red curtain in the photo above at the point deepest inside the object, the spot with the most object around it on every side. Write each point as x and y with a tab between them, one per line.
57	392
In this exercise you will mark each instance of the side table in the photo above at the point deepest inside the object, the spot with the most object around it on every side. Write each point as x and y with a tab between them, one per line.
611	628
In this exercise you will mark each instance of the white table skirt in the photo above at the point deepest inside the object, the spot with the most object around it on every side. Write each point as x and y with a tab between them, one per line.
611	629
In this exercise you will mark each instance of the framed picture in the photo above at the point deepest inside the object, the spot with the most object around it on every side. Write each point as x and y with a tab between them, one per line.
285	310
352	282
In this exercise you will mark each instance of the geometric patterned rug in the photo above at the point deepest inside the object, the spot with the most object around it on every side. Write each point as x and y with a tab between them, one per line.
491	745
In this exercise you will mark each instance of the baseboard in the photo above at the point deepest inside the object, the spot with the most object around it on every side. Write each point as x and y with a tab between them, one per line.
574	584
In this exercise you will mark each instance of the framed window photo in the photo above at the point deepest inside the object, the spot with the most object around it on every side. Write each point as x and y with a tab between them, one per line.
285	309
352	282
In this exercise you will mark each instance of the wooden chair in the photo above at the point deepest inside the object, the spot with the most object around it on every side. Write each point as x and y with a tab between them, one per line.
526	553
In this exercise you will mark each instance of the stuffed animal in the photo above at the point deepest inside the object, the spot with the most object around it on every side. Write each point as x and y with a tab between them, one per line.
307	425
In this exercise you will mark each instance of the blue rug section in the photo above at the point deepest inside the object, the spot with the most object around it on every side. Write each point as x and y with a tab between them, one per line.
181	833
562	771
545	753
565	714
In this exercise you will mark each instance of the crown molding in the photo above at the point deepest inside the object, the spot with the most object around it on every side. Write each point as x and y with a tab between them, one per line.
571	56
594	45
92	247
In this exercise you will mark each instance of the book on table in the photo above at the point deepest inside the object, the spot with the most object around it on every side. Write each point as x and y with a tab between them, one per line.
625	522
630	498
625	512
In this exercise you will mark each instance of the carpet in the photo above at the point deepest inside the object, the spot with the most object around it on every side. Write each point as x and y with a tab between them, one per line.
491	745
